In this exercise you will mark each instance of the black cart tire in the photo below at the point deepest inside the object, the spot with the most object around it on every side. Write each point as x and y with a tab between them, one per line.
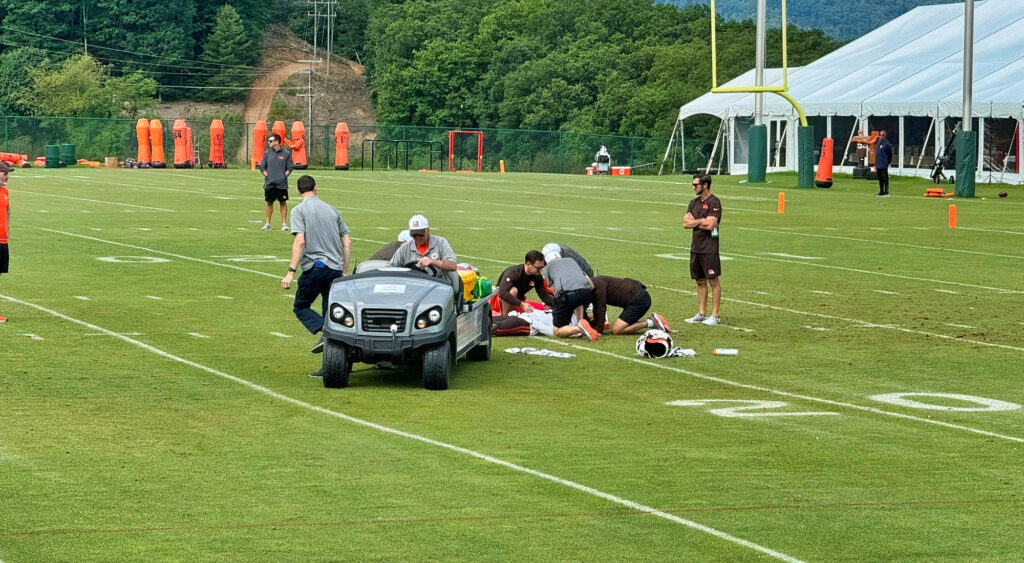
336	365
437	367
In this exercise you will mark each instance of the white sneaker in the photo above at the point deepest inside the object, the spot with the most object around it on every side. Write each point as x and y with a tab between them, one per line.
712	320
698	318
265	227
284	226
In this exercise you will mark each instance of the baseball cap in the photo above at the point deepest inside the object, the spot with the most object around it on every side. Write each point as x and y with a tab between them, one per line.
5	166
404	236
418	223
551	247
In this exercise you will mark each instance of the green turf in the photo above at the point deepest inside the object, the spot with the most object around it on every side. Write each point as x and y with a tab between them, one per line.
144	447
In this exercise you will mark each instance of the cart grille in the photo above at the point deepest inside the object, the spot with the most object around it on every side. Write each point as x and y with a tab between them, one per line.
380	320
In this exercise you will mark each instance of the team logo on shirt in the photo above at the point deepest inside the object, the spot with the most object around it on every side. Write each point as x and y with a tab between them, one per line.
711	271
531	284
433	255
705	206
508	279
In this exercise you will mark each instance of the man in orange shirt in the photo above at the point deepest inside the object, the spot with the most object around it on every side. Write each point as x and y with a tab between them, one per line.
5	220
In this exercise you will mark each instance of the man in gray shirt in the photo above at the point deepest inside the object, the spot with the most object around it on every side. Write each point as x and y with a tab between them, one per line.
276	166
572	289
425	250
321	248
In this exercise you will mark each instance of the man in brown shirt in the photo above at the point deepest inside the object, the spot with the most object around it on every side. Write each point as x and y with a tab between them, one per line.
632	296
703	216
517	280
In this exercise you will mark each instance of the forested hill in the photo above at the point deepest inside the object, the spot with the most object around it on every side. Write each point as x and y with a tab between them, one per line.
602	66
840	19
608	66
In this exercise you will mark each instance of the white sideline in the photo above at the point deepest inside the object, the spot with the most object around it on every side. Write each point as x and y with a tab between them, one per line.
522	469
661	365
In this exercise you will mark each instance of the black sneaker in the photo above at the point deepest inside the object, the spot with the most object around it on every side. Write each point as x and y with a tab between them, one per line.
317	373
319	346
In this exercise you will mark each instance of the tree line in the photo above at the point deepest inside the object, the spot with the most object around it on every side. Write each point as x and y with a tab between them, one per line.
603	66
186	49
592	66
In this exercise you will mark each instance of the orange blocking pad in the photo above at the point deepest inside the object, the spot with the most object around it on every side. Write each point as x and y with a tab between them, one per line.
621	171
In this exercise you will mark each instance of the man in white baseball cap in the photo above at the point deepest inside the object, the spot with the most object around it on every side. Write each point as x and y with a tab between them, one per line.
425	250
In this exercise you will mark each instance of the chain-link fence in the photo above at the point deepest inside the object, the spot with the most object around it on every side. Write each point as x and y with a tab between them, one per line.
389	147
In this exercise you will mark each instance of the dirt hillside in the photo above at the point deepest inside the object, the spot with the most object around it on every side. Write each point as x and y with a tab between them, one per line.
340	92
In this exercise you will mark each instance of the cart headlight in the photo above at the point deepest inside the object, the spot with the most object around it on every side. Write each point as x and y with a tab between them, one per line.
342	315
428	318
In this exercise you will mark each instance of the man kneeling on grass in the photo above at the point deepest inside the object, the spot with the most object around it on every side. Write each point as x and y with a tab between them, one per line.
572	289
632	296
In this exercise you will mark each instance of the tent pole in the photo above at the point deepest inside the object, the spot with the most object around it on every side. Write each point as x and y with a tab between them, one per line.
849	141
1006	155
668	148
714	148
780	141
682	146
924	147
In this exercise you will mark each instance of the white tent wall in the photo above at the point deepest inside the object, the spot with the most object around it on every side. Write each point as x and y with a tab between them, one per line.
904	75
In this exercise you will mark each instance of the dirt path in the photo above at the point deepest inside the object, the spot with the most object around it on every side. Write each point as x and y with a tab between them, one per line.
257	106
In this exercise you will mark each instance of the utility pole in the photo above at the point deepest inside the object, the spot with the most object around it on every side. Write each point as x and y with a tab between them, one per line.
326	10
309	89
85	40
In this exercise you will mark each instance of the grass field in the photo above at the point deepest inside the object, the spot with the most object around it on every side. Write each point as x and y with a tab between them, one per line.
155	404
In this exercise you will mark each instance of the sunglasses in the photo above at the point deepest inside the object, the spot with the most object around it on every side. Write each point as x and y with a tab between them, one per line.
418	235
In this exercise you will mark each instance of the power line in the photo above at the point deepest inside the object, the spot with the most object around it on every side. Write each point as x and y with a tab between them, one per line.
165	57
105	59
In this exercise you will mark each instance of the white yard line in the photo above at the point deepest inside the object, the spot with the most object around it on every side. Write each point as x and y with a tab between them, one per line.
753	257
189	258
423	439
660	364
882	242
859	322
100	202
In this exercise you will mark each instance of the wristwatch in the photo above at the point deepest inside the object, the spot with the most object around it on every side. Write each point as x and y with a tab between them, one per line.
292	270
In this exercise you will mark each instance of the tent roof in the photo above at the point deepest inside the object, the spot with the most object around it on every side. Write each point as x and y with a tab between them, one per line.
909	66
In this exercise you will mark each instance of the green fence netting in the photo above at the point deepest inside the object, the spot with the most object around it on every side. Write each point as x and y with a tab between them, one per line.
391	147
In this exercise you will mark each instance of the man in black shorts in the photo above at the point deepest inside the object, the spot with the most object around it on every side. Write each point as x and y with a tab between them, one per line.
518	279
703	215
276	166
632	296
572	290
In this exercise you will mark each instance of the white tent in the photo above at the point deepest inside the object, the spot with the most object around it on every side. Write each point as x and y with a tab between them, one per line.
904	77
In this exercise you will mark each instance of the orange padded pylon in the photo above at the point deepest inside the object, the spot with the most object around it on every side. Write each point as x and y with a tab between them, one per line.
823	179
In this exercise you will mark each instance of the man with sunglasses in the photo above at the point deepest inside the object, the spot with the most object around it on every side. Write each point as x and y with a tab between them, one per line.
703	216
517	280
276	166
425	250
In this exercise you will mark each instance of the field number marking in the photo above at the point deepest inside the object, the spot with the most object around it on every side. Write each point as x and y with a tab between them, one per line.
987	405
133	259
745	411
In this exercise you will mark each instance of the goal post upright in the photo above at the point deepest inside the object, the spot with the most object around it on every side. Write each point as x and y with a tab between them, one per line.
479	148
758	133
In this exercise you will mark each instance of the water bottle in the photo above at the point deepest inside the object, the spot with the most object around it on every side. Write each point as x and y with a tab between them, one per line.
714	232
726	352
